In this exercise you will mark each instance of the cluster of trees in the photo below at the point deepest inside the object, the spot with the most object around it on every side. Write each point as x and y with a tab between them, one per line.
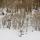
27	4
14	18
36	20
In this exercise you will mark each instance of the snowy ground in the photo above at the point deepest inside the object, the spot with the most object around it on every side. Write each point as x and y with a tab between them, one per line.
11	35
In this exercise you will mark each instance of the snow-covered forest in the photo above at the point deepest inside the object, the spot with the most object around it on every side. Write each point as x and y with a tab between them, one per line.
20	20
19	15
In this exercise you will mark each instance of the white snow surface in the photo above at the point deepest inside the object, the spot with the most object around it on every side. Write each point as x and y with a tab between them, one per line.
13	35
